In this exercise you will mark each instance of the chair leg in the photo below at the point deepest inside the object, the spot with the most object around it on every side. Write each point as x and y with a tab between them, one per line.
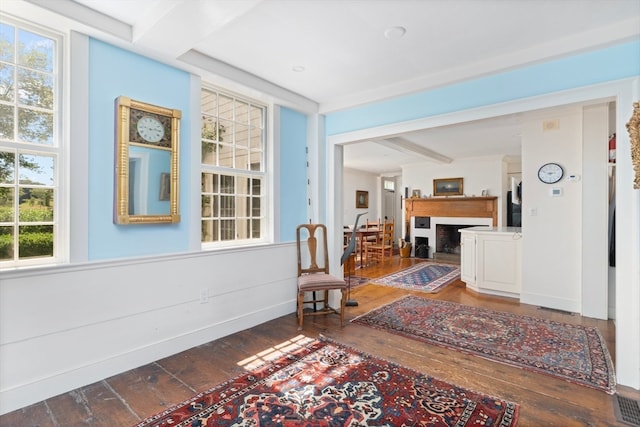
327	308
300	309
343	305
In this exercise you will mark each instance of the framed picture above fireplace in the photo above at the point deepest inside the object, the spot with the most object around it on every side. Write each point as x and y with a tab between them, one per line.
447	187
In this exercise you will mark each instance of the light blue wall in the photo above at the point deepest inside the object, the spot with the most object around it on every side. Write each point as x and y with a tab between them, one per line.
613	63
293	172
114	72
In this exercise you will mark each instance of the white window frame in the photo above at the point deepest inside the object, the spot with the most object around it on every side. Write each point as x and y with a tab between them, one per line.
58	149
266	226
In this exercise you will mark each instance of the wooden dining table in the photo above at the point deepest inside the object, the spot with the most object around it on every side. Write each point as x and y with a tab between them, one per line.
361	235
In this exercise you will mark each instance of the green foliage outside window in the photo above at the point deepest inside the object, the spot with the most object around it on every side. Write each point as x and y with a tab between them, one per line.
33	240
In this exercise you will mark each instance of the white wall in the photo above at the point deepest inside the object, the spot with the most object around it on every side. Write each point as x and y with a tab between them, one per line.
363	181
553	241
552	225
96	320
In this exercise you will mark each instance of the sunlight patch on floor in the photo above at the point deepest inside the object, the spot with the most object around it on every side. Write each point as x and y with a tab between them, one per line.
274	352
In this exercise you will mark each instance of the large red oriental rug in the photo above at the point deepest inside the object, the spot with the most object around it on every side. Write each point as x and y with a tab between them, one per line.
575	353
327	384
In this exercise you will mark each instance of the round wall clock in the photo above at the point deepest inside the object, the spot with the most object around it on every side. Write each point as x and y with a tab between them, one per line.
550	173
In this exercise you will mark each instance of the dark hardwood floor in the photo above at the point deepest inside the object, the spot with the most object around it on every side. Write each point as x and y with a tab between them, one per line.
127	398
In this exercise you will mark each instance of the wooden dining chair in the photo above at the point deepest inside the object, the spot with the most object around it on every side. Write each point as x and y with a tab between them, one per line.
370	239
383	249
314	277
373	225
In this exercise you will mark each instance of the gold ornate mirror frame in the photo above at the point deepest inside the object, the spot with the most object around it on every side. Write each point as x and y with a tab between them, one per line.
147	159
633	127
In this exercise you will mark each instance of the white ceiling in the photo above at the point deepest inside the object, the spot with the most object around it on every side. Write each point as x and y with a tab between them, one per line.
489	137
346	58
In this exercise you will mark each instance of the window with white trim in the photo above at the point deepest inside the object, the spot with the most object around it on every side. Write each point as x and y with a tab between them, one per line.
233	179
30	147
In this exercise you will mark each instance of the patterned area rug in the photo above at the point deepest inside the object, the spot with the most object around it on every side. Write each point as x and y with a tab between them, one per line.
425	277
328	384
357	280
575	353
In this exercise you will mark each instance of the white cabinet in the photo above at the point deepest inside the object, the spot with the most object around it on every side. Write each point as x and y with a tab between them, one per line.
499	262
468	258
491	260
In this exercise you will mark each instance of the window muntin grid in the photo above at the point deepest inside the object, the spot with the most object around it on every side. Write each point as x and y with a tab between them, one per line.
233	172
30	148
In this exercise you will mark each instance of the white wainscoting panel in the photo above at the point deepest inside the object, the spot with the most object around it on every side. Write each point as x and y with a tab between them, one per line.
69	326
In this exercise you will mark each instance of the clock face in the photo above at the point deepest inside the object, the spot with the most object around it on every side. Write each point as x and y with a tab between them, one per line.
550	173
150	129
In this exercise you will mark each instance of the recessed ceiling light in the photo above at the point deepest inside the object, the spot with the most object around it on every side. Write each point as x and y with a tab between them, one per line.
395	32
298	68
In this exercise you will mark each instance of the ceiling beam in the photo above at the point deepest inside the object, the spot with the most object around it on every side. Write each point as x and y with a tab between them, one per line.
409	147
86	15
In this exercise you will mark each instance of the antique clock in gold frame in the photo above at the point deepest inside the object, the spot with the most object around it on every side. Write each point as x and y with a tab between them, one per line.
147	159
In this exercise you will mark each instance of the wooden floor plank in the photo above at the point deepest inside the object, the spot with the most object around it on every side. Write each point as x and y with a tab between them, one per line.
124	399
201	367
70	409
149	389
106	407
36	415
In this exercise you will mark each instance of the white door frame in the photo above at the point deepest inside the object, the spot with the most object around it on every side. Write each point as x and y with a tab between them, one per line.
624	92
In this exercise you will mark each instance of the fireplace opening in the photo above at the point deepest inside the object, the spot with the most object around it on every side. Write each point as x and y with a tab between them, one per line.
448	238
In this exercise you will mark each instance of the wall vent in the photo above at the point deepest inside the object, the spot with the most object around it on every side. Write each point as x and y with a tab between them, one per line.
627	410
